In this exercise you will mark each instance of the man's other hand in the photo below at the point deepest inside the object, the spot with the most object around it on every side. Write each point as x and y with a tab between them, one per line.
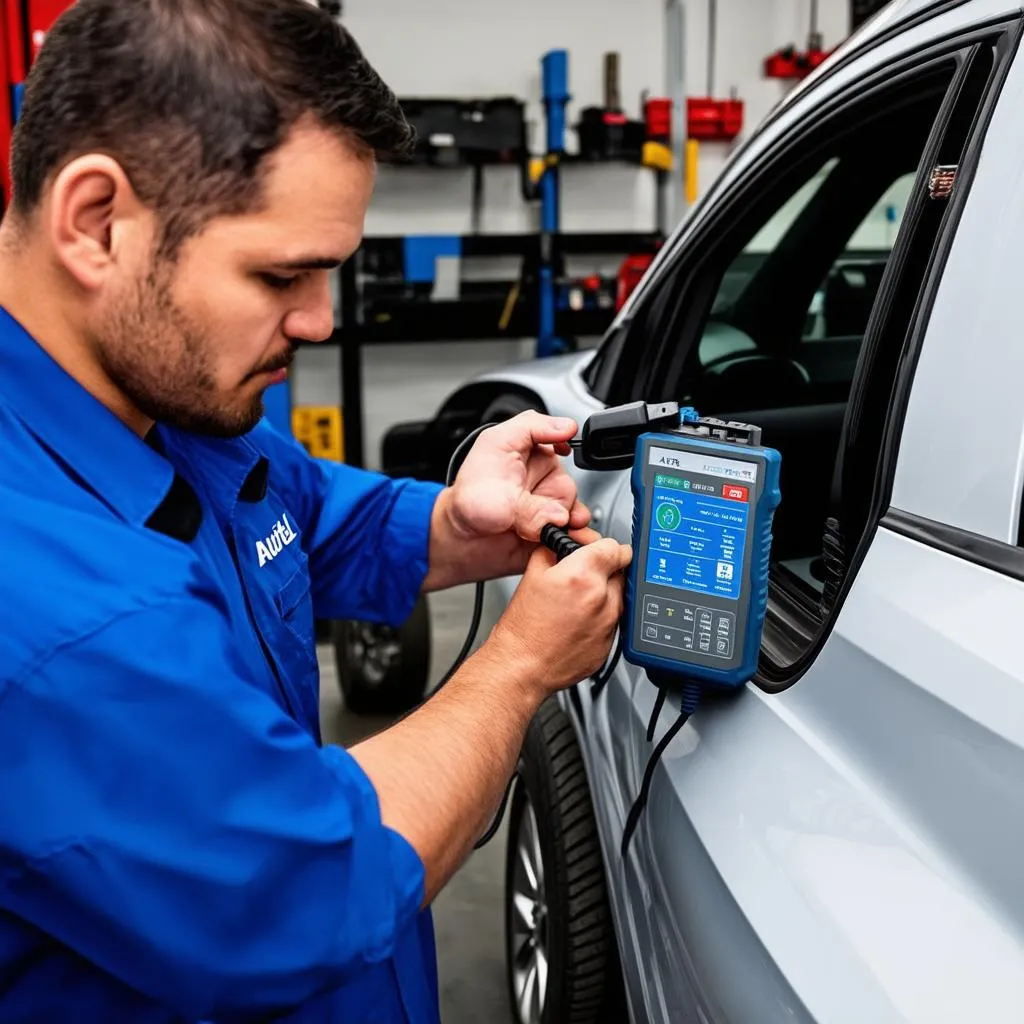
560	623
511	484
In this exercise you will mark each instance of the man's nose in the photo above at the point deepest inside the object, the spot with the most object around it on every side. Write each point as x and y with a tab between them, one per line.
313	318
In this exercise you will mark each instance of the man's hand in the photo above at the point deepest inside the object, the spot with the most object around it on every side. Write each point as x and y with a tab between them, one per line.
560	623
511	484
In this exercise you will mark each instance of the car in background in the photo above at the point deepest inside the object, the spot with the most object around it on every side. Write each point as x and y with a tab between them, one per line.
839	842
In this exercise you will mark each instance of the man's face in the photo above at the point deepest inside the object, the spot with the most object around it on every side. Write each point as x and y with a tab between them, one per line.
196	341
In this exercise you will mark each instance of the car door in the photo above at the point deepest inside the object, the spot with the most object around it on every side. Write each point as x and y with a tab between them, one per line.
795	862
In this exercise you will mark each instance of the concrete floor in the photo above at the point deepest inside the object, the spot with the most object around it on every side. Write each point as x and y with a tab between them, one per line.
468	915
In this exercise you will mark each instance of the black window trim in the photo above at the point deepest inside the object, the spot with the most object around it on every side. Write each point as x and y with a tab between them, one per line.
972	547
968	545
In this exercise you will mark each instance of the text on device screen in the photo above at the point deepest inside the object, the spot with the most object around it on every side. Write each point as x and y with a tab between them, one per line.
699	511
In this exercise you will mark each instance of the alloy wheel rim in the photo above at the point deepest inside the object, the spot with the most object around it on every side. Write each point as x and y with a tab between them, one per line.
375	648
529	922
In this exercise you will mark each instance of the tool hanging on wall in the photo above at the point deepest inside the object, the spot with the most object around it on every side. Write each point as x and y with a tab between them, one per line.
709	119
793	64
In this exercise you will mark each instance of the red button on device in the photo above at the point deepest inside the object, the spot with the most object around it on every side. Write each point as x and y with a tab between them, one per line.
735	493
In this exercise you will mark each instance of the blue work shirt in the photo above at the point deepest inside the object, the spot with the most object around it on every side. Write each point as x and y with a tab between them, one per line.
175	843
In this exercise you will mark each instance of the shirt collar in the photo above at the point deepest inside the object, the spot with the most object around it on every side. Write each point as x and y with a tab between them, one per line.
221	466
127	474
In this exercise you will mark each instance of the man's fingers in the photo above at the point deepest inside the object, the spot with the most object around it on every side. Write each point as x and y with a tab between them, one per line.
535	512
585	535
541	558
579	516
607	556
524	432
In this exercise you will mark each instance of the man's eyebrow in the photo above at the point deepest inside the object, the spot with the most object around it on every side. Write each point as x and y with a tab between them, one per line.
310	263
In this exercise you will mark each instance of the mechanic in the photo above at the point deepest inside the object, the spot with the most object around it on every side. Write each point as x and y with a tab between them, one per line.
175	842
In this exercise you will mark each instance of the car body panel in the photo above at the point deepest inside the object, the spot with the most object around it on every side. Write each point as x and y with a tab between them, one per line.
847	850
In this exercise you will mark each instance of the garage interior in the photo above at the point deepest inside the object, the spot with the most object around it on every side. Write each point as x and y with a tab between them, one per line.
561	142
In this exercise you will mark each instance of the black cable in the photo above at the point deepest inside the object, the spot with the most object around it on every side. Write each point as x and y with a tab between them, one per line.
454	465
467	646
557	540
645	787
492	829
689	699
600	681
659	703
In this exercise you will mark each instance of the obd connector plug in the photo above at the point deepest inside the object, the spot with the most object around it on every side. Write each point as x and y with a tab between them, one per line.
608	440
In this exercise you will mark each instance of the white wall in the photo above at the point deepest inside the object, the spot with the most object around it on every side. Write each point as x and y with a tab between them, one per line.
482	48
493	47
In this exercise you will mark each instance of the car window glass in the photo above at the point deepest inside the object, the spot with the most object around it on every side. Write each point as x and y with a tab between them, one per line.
838	307
841	305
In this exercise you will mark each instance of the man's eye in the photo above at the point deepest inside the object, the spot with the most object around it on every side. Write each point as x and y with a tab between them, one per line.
277	282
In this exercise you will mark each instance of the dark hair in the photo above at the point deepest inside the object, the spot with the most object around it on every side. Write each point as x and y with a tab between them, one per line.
191	97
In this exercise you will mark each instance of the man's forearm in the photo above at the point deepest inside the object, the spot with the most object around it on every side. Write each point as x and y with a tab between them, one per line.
440	773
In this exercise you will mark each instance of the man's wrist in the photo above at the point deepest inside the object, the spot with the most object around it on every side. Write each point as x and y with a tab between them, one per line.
513	673
447	545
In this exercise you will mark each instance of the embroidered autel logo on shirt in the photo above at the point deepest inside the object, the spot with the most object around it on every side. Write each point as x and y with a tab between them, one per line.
280	537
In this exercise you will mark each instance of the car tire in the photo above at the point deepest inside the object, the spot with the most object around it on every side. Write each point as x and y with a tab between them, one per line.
558	914
505	407
382	670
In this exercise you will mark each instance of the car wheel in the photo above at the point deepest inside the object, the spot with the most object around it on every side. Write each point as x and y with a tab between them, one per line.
505	407
381	670
561	957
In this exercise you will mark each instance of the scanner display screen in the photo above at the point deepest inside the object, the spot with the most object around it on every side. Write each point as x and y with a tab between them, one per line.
696	536
698	529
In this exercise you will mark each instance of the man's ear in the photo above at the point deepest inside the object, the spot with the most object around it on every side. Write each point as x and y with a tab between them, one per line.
94	214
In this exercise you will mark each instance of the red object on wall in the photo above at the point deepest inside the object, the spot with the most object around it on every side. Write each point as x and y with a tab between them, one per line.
14	43
658	118
41	16
792	63
630	274
714	120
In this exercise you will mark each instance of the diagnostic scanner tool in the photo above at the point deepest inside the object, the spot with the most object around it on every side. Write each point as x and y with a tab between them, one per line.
704	495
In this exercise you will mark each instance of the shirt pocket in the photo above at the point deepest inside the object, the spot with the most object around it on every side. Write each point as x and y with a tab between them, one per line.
295	606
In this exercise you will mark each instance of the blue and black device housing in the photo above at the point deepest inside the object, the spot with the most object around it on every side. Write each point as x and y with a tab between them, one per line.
705	495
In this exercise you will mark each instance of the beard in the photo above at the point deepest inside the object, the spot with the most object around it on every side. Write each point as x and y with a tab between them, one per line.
163	362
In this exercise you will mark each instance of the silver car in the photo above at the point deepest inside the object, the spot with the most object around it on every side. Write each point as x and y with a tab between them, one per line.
841	841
